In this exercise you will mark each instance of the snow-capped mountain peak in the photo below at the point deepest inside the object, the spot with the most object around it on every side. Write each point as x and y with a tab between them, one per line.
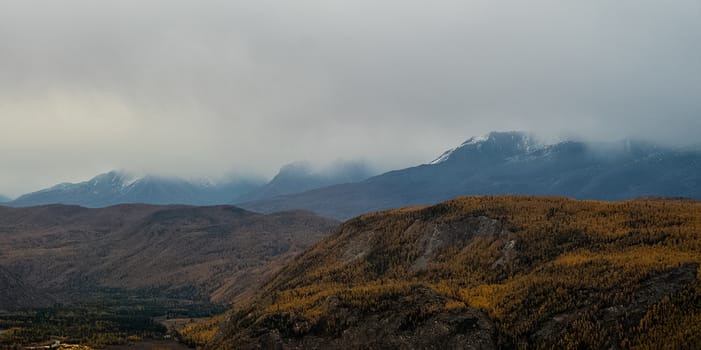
510	143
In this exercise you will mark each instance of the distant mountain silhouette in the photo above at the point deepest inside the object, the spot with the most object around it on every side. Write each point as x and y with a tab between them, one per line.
498	163
301	176
4	199
119	188
512	163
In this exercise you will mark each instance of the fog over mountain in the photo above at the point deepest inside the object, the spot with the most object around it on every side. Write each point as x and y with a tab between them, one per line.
117	187
512	163
121	187
214	88
301	176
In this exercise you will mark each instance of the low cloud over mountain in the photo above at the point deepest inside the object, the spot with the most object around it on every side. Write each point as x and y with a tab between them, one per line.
513	163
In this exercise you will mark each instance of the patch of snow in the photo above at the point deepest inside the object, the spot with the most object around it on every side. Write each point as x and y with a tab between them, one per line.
471	141
128	181
529	144
60	187
443	157
475	140
203	182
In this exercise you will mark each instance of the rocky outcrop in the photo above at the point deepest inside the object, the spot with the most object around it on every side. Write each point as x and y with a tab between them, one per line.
416	320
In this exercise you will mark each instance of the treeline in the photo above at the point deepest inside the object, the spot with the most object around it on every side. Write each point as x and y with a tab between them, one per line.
107	320
95	325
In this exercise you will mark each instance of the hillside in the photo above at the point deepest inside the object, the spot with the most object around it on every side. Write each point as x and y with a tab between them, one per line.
511	163
489	272
215	253
15	294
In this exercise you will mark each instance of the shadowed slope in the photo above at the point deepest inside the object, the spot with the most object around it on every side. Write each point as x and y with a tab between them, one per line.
15	294
215	252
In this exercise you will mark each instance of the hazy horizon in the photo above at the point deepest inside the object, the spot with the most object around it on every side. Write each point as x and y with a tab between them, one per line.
334	168
216	88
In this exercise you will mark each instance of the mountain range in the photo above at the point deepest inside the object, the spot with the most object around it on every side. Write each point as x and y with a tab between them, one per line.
4	199
118	187
501	271
511	163
498	163
301	176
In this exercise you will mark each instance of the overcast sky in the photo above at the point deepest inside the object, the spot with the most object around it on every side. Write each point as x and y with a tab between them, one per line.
210	88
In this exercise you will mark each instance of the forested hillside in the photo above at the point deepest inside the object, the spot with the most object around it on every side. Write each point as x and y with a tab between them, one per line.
490	272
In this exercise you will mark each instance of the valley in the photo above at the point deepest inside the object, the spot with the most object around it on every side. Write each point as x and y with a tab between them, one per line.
102	318
485	272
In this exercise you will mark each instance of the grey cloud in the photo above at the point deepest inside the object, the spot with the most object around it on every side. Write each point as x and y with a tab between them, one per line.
206	88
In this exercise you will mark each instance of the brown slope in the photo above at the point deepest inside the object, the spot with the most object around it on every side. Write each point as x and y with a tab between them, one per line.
15	294
485	272
218	252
